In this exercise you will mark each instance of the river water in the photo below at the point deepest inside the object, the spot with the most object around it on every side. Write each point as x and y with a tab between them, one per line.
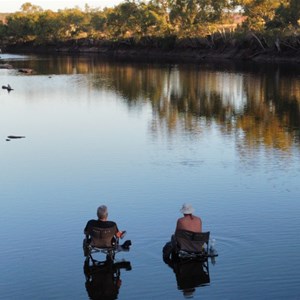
143	138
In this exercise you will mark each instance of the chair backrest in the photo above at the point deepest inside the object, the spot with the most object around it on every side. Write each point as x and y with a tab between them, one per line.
102	237
191	241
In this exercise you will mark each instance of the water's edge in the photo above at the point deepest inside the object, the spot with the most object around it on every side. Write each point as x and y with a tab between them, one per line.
249	51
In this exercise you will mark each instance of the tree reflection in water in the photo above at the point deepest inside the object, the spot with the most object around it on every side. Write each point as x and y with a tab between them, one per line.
259	104
260	108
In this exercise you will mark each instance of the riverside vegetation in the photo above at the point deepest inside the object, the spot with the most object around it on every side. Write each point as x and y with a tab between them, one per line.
181	29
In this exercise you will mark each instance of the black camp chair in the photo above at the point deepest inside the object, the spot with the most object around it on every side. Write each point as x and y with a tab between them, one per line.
189	245
103	240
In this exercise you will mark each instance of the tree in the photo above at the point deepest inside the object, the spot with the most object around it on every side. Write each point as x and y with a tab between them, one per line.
162	9
72	22
98	23
30	8
294	8
21	26
48	27
187	16
3	30
287	14
259	12
152	21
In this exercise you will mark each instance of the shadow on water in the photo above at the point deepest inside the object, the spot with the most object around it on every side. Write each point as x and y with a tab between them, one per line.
103	278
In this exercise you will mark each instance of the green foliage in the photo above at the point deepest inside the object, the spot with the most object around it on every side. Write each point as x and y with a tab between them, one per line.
3	30
286	15
21	26
98	21
266	14
189	16
48	27
163	19
30	8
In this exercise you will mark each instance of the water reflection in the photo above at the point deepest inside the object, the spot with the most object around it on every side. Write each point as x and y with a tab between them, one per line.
103	278
259	109
258	104
190	274
81	144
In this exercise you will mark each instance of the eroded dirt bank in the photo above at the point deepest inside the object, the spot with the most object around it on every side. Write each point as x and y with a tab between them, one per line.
175	50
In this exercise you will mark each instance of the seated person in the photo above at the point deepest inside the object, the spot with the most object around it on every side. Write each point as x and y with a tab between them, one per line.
189	221
184	237
103	233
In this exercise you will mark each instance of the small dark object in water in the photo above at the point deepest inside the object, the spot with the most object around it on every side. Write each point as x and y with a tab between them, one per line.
8	87
26	71
126	244
15	137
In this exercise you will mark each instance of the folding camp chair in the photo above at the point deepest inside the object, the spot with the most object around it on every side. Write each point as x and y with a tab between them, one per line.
103	240
188	244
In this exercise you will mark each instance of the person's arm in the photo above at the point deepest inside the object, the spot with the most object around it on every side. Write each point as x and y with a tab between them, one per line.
178	225
119	234
200	224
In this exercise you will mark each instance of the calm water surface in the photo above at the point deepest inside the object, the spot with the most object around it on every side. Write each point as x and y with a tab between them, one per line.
143	139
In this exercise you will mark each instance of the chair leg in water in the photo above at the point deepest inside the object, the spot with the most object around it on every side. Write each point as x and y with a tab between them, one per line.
85	248
110	255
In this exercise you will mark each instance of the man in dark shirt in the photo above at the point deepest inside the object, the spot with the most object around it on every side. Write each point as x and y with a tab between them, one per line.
102	223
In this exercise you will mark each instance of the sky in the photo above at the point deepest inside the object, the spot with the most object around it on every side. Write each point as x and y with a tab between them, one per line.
15	5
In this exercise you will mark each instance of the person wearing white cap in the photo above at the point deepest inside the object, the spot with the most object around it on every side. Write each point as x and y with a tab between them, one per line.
189	221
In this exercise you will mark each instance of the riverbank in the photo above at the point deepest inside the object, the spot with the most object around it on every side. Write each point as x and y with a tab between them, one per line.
250	48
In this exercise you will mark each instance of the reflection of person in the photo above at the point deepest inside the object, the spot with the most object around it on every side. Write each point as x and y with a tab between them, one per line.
190	274
103	281
103	278
189	221
102	222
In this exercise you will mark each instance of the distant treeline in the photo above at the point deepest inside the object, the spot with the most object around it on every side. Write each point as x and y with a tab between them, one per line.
271	19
